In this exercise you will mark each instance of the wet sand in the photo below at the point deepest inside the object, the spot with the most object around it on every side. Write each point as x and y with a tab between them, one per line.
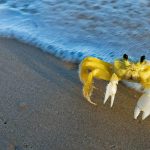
42	107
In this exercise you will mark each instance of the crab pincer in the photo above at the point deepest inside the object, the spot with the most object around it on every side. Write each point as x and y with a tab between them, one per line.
111	89
143	105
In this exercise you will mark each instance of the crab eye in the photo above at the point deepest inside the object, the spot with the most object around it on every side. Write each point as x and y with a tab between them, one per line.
125	56
142	59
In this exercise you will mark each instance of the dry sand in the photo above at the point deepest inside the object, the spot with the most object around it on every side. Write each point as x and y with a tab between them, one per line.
42	107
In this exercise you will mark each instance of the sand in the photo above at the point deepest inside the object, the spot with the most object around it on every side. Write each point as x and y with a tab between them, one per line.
42	107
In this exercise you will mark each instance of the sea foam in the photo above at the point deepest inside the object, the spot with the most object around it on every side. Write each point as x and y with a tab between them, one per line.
72	30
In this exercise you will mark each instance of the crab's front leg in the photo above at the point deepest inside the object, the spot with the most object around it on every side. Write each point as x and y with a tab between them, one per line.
88	86
143	105
111	89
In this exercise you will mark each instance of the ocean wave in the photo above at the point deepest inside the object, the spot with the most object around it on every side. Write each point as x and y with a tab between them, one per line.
72	30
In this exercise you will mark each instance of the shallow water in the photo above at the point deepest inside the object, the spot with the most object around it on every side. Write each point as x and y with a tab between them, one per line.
73	30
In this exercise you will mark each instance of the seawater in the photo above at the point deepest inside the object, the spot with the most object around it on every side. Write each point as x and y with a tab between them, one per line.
74	29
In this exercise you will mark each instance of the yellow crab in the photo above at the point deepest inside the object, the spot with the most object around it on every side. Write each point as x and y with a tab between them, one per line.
121	69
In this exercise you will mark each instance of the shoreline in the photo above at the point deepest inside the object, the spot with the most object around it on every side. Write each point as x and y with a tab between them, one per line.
42	107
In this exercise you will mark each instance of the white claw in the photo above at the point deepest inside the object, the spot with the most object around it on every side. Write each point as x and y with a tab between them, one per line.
143	105
112	100
111	90
106	95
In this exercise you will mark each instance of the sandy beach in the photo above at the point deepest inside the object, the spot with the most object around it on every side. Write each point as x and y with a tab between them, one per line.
42	107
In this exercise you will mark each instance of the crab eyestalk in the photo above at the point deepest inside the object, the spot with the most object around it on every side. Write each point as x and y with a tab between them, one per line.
142	59
125	57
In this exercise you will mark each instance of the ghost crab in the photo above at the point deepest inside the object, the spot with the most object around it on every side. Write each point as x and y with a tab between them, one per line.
121	69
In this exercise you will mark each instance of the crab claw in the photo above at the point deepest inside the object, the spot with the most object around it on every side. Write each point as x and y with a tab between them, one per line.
143	105
111	90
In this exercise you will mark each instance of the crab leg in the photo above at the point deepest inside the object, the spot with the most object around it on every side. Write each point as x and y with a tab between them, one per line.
88	85
90	64
89	69
111	89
